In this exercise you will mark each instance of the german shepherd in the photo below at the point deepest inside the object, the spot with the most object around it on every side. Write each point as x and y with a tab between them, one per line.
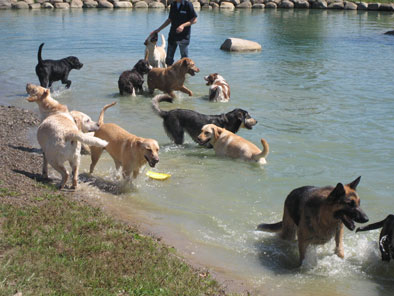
386	237
316	214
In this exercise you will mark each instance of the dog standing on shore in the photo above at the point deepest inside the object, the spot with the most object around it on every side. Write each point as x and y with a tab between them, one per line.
317	214
154	54
219	89
49	71
386	237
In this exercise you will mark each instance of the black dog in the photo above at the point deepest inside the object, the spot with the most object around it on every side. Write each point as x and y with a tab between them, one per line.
386	237
49	71
179	120
130	81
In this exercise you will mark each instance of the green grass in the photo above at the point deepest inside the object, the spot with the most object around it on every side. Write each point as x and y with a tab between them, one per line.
62	247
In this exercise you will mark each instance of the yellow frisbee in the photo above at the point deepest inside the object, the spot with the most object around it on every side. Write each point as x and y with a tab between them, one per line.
157	176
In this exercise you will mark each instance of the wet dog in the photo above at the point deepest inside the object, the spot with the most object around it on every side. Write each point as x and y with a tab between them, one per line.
60	136
177	121
155	55
386	237
131	81
219	90
317	214
49	71
127	150
173	77
226	143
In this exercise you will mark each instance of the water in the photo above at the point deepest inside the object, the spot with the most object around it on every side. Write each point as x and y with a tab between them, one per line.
322	92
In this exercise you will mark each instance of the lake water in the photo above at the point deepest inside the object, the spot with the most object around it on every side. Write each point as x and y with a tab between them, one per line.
321	90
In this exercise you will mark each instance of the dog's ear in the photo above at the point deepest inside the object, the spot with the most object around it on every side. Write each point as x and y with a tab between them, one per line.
217	131
78	122
146	42
240	115
185	62
353	185
337	192
46	93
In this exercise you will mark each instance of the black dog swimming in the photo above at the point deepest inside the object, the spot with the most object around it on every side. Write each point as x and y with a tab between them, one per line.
179	120
386	237
49	71
130	81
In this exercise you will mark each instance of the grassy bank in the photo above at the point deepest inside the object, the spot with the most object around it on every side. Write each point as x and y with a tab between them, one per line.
62	247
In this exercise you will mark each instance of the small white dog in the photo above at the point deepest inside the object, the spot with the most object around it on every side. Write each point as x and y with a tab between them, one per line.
155	55
60	136
219	90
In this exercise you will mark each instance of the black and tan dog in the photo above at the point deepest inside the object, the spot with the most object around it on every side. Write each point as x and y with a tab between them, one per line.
386	237
317	214
177	121
49	71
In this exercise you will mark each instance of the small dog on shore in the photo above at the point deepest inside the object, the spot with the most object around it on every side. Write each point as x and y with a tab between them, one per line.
131	81
154	54
386	237
49	71
219	90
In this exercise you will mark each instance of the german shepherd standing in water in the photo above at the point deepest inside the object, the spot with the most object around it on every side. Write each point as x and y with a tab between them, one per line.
316	214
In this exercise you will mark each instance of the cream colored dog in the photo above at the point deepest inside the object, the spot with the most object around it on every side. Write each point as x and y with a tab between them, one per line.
60	136
127	150
154	54
46	104
229	144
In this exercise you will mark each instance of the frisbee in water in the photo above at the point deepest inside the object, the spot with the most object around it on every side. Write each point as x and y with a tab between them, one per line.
157	176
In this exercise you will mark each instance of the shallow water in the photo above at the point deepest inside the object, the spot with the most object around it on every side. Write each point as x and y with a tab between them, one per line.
322	92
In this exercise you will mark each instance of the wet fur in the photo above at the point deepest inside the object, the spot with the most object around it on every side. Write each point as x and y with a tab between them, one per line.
177	121
131	81
316	214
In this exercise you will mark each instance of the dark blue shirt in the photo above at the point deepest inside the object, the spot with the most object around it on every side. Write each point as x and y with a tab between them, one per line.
178	17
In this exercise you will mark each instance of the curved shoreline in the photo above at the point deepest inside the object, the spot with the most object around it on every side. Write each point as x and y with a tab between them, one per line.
227	5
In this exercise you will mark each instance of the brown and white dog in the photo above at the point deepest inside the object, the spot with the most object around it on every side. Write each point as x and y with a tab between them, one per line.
155	55
219	90
317	214
172	78
226	143
127	150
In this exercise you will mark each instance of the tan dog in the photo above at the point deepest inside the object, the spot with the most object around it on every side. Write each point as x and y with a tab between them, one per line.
172	77
229	144
155	55
46	104
60	136
127	150
317	214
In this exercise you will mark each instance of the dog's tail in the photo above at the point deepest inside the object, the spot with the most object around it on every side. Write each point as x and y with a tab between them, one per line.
155	104
86	139
39	53
275	227
101	117
163	42
372	226
264	153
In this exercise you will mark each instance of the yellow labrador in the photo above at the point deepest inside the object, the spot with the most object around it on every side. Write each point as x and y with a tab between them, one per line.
229	144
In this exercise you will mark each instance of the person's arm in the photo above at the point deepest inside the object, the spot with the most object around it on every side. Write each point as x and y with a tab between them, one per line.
165	24
187	24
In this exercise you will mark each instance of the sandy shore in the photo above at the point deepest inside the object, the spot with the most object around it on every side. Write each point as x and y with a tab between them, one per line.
20	170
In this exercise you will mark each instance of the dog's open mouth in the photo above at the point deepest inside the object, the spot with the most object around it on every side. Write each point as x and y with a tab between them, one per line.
203	142
349	217
152	162
192	71
347	221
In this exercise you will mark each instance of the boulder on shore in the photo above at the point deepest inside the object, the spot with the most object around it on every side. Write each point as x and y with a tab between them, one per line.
240	45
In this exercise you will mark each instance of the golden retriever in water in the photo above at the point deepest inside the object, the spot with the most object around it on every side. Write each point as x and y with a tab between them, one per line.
172	78
229	144
127	150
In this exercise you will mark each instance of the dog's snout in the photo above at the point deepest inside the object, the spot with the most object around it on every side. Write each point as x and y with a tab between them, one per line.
361	217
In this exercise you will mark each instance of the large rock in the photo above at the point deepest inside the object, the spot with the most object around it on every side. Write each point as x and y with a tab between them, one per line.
123	4
271	5
5	4
227	5
206	6
141	4
258	6
20	5
386	7
362	6
156	5
373	6
47	5
214	5
90	4
286	4
237	44
105	4
350	5
196	5
35	6
62	5
319	4
336	5
245	4
301	4
76	4
389	32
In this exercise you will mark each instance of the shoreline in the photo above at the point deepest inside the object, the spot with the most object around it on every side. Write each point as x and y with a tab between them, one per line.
227	5
21	183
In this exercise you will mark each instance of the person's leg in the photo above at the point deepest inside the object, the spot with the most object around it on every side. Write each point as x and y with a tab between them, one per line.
171	47
184	48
